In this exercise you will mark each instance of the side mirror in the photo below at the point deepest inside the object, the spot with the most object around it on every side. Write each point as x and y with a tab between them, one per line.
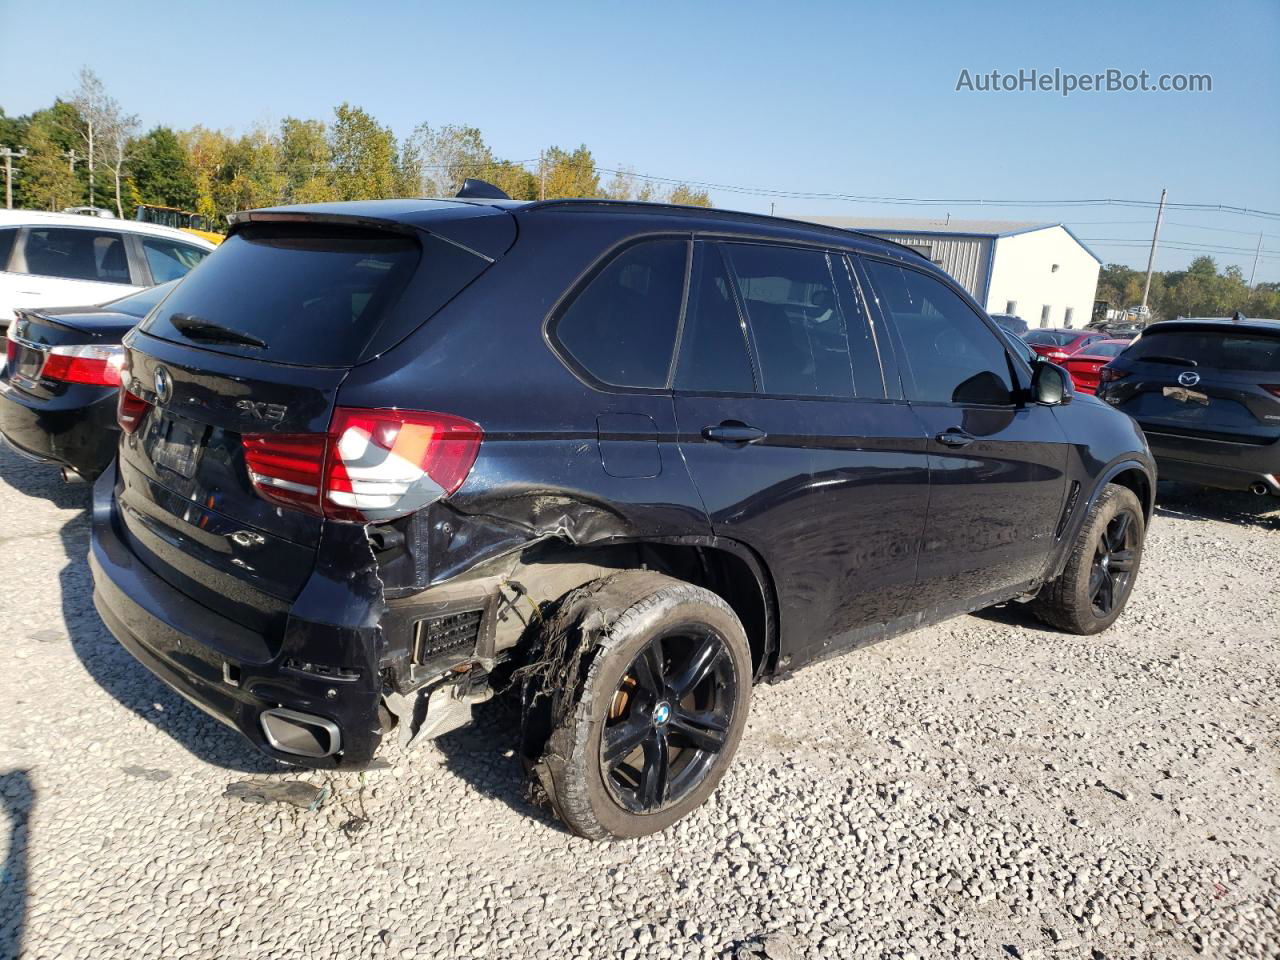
1050	384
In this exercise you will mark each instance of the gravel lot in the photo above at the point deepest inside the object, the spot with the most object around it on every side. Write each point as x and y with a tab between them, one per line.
986	788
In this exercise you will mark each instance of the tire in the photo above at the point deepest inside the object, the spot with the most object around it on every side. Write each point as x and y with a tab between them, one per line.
1073	602
628	624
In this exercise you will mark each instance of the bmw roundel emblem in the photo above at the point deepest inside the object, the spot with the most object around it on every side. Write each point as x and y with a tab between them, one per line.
164	385
1188	378
662	713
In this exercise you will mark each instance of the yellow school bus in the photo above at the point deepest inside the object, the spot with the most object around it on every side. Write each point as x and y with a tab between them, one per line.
180	219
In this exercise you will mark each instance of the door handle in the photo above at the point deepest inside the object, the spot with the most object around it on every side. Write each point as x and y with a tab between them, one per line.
955	437
733	431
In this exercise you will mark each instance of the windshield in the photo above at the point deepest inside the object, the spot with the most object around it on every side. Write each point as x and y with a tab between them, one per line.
1255	353
139	304
1051	338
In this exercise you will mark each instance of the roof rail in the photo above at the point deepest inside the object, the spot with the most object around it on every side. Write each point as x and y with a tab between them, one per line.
587	204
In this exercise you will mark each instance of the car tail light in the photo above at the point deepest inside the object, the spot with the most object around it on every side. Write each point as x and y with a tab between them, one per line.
1109	373
1057	356
10	346
372	465
130	409
92	364
1272	388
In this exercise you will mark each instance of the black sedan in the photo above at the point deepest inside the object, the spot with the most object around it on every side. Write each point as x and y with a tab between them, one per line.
60	380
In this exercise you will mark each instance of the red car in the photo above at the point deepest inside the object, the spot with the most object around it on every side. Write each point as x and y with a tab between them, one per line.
1085	365
1057	345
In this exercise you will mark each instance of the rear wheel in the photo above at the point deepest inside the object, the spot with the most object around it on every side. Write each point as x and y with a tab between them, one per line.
1102	568
660	712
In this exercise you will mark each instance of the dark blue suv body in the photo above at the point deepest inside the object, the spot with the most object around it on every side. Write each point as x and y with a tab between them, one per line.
379	456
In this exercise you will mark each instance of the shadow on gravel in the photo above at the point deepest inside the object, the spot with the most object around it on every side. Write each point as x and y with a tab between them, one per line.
486	755
106	661
17	797
1185	502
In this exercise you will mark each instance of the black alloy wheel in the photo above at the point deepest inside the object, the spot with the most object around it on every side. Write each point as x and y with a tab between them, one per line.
668	720
1114	562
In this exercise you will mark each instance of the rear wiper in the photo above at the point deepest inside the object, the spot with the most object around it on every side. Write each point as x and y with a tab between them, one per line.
197	329
1161	358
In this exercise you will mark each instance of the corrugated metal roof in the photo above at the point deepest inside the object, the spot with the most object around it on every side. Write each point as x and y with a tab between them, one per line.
972	228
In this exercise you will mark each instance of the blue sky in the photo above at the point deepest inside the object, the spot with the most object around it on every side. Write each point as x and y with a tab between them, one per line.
848	98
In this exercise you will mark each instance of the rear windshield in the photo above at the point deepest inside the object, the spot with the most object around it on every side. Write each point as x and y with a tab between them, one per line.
1250	353
315	294
140	304
1105	349
1050	338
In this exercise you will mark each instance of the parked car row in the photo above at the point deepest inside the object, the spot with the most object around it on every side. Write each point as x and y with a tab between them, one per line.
65	260
378	461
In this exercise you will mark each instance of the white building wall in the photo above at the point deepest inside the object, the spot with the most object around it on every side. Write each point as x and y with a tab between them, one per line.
965	258
1023	272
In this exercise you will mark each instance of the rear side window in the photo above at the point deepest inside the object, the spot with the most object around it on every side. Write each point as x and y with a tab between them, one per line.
318	295
6	246
75	254
954	356
798	323
169	260
1210	349
621	327
713	353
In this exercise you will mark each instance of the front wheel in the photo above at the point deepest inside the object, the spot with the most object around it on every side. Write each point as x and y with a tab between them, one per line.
1102	568
660	713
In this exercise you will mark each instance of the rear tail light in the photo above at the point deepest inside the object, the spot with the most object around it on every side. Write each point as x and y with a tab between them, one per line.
1109	373
1272	388
10	346
372	465
130	409
95	365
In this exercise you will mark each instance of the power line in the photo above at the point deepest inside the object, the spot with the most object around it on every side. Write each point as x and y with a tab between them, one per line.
936	201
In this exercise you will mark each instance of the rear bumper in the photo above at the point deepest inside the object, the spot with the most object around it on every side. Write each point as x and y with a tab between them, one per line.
79	432
216	664
1215	463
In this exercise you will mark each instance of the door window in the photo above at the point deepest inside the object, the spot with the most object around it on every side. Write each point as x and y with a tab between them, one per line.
713	353
798	323
77	254
169	260
954	357
6	246
621	327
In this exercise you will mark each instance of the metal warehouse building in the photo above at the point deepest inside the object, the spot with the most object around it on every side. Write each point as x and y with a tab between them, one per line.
1038	271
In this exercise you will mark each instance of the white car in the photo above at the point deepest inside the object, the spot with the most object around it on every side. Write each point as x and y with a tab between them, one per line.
65	260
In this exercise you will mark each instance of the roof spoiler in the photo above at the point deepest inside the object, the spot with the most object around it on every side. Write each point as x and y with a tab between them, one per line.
474	189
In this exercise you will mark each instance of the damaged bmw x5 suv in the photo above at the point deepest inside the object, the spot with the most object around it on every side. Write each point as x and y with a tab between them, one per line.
380	460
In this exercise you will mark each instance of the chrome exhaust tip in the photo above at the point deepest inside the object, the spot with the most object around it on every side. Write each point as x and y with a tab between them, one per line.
301	734
1258	488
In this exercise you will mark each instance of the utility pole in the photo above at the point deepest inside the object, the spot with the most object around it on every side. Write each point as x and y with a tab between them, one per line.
1256	253
9	156
542	175
1151	260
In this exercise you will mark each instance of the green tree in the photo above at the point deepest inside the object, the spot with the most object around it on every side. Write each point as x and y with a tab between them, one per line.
160	170
47	182
305	161
364	155
206	156
570	174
